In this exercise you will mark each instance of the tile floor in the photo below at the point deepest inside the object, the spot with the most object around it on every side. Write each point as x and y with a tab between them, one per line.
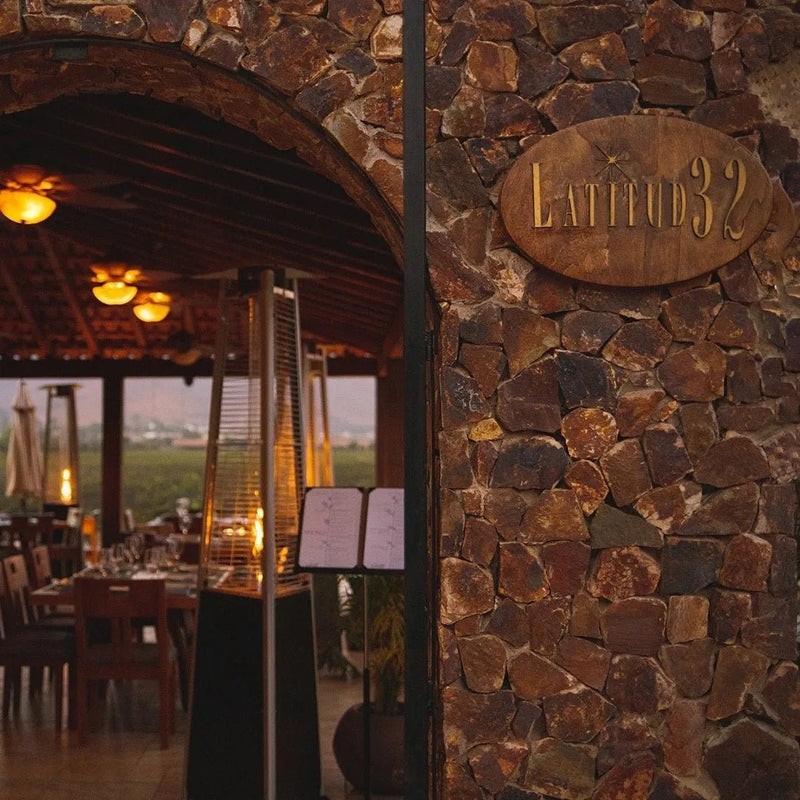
122	759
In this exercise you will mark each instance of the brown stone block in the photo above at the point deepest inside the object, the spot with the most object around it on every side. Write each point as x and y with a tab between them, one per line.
466	590
740	113
588	331
639	685
537	462
733	327
688	565
670	29
470	718
667	81
509	115
683	745
451	523
484	457
526	337
630	779
690	665
510	622
355	17
458	783
625	471
565	565
449	662
462	400
461	35
562	25
588	432
586	479
451	176
772	628
687	618
572	103
635	409
747	760
700	429
548	293
533	677
666	454
521	576
635	625
745	419
783	454
561	770
746	563
688	316
614	528
601	59
777	509
326	95
783	571
494	764
623	740
547	619
538	70
504	20
529	401
781	694
739	280
456	470
724	513
586	660
696	373
528	722
734	460
624	572
668	507
466	115
586	613
288	59
630	303
488	157
483	658
504	509
554	515
492	66
480	541
576	715
482	326
728	610
774	381
119	22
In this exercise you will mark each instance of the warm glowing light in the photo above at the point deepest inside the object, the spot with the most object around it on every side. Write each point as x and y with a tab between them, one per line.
283	557
154	309
258	532
25	206
114	293
66	486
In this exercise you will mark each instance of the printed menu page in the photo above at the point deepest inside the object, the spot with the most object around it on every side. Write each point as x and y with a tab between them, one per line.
384	534
330	533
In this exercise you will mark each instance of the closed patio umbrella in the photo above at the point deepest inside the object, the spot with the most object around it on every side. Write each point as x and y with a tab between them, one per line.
24	463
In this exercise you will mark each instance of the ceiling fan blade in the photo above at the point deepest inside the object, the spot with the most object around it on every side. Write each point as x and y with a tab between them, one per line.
93	200
85	181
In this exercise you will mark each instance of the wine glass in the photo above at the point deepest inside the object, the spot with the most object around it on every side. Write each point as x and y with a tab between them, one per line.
184	517
175	549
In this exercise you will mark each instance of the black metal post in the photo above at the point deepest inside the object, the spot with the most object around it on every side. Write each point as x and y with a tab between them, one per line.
418	610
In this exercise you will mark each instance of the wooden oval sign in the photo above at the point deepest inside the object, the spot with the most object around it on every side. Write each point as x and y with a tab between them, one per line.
636	201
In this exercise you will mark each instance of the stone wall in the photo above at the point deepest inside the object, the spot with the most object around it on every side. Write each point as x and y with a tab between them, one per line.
616	497
618	552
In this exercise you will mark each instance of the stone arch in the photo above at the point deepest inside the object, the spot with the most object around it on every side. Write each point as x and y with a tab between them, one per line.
233	64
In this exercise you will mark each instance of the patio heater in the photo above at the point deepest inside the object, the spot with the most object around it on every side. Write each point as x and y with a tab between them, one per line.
253	730
319	459
61	475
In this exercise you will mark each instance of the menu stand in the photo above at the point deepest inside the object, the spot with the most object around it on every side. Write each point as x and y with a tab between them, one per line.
353	531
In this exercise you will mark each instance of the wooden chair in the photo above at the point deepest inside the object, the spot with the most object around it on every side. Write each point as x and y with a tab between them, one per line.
41	574
24	644
120	603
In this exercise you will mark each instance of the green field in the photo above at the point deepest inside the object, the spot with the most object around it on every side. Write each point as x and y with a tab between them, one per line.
152	478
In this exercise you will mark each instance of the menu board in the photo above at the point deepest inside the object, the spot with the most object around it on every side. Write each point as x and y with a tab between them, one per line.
351	530
384	540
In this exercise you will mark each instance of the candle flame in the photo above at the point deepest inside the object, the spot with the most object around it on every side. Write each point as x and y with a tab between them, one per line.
66	485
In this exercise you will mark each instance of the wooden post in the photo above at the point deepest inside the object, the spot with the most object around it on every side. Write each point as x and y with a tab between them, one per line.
389	438
112	459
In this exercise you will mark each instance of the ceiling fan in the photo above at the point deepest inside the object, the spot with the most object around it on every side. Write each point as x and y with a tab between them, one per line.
29	193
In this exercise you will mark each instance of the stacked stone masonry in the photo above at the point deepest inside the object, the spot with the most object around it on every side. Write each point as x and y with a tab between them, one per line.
616	497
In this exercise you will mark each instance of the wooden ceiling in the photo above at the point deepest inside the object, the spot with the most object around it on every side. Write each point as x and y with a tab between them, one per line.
209	199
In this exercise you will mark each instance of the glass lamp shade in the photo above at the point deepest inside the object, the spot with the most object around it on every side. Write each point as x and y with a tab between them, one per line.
114	293
154	309
25	207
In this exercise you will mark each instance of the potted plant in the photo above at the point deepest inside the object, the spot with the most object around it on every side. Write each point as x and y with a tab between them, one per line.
386	630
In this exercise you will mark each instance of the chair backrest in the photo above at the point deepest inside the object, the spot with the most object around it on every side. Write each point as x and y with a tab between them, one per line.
120	602
19	609
41	568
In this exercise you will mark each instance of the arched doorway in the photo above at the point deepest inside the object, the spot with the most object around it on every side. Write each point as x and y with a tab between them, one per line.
45	73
